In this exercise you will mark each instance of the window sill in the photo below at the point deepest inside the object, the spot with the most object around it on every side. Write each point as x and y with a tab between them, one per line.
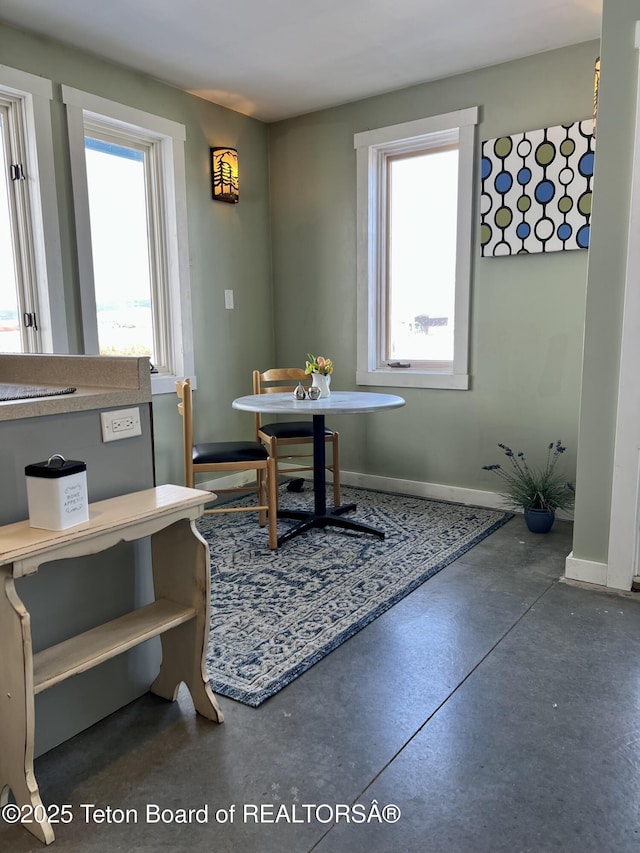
407	378
163	383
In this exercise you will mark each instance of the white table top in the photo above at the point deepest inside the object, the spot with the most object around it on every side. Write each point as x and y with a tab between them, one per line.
337	403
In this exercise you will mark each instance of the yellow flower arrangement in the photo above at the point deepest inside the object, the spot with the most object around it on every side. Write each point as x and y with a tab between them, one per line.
320	365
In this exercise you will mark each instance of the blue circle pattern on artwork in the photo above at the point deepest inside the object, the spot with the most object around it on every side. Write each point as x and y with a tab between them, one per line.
555	182
524	176
582	237
503	182
585	166
545	191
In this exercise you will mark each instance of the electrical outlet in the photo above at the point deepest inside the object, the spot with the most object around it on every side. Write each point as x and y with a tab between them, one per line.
228	299
123	423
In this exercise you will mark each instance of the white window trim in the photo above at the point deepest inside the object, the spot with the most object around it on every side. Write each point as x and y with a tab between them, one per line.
37	94
371	148
172	136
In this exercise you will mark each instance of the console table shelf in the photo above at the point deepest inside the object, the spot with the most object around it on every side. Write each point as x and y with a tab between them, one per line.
87	650
179	615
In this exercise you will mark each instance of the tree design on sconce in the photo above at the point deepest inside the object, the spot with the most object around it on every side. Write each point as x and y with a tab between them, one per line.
224	175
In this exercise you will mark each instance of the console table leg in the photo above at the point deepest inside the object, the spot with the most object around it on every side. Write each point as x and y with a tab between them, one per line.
181	573
17	709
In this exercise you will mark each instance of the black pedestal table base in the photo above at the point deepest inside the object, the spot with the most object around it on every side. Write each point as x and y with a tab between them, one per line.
333	517
321	516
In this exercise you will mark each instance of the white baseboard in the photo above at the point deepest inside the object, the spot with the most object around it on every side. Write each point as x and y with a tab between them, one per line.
436	491
395	485
587	571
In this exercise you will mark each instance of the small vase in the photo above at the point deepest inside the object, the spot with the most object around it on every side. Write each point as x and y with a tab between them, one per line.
322	382
539	520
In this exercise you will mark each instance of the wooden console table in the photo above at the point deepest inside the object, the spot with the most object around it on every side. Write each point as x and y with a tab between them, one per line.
180	613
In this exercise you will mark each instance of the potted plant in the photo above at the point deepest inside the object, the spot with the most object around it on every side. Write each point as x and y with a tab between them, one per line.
320	370
539	492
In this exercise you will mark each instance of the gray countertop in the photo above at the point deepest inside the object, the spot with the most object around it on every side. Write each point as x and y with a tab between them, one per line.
100	382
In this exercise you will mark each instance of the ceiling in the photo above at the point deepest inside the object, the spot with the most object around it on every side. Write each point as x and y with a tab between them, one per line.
282	58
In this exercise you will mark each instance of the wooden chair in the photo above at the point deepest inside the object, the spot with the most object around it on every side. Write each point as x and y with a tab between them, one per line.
296	433
213	457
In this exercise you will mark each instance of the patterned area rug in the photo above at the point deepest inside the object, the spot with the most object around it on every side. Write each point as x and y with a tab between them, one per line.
276	613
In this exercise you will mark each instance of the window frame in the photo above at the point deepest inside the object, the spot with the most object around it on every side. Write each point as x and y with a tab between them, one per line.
84	110
32	96
373	149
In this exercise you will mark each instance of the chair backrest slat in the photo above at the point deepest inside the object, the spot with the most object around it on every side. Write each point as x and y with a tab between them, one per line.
277	380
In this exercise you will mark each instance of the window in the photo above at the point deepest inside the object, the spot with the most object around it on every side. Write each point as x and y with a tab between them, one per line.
130	206
16	273
414	198
121	214
32	317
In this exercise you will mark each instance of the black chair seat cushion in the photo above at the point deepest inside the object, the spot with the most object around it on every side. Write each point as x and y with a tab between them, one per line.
295	429
229	451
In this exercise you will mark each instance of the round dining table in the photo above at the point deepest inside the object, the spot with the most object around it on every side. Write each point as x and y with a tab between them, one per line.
337	403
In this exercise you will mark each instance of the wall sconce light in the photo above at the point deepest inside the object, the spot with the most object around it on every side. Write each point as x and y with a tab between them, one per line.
596	87
224	174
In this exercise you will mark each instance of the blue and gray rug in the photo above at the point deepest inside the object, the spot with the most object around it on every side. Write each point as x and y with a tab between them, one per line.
276	613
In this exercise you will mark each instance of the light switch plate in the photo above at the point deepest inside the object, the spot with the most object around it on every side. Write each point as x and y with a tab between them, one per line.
228	299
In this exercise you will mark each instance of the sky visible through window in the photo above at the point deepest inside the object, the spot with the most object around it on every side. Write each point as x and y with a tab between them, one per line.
120	244
422	255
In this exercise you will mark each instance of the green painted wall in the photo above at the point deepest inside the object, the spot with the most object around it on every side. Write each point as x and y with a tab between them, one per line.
297	213
606	278
229	245
527	311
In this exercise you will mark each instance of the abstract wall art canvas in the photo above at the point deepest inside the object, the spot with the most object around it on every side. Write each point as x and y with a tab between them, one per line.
536	190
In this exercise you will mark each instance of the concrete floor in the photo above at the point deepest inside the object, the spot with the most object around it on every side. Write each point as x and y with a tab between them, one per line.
495	707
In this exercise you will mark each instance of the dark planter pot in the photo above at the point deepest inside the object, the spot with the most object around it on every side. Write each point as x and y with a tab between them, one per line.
539	520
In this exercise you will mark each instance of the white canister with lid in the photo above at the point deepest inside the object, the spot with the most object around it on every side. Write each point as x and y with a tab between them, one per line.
57	493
